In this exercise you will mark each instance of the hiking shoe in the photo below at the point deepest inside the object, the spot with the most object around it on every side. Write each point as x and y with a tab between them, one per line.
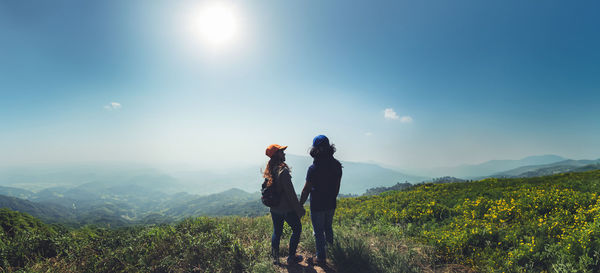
295	259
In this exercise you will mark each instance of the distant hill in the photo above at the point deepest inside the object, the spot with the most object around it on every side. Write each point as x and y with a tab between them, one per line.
94	180
591	167
397	187
403	186
118	196
445	179
549	169
357	176
45	211
35	178
494	166
106	214
76	206
134	197
230	202
16	192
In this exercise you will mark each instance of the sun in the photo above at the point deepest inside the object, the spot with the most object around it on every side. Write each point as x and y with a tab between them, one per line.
216	24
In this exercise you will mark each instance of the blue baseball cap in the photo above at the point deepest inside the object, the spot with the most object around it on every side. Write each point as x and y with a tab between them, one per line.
320	140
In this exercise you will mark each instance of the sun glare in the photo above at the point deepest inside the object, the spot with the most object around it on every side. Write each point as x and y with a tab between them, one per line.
216	24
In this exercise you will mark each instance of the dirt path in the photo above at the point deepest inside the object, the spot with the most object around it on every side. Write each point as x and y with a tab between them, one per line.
304	266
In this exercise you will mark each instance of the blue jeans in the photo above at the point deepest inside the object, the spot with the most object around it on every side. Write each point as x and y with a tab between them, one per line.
321	221
294	221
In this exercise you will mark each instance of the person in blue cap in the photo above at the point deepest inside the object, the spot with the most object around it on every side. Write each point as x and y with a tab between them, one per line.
323	185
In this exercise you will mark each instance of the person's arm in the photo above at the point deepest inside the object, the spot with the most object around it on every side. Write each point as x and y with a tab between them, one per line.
339	182
288	190
307	185
337	190
305	192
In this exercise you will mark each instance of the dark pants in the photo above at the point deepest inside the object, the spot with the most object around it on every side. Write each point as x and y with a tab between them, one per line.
322	221
294	221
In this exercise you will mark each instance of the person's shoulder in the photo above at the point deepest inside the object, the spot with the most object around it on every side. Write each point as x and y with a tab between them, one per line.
337	163
285	170
338	166
311	172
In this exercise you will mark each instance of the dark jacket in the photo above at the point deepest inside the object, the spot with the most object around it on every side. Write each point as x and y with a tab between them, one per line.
323	183
289	199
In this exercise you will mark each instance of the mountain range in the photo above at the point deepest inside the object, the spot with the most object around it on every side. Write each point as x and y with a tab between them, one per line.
550	169
129	194
133	195
81	207
473	171
357	177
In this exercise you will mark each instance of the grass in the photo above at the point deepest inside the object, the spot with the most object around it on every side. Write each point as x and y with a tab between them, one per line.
228	244
364	251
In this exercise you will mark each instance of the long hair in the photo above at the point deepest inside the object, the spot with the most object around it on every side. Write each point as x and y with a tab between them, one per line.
322	151
273	166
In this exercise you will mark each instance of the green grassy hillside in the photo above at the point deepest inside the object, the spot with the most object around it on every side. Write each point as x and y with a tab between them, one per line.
542	224
536	224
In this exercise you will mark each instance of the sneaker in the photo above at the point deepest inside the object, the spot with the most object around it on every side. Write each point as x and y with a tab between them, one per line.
295	259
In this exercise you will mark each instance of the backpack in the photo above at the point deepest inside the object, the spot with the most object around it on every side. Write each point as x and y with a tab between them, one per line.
270	197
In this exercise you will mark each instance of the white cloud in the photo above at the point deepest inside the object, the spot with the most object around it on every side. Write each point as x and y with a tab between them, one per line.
112	106
406	119
368	134
389	113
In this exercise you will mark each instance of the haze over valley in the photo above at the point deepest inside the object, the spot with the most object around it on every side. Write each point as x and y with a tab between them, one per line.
124	194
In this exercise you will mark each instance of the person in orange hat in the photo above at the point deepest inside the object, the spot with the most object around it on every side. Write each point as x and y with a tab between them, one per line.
277	174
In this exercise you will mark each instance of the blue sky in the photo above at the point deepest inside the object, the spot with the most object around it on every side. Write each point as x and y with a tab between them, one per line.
479	80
